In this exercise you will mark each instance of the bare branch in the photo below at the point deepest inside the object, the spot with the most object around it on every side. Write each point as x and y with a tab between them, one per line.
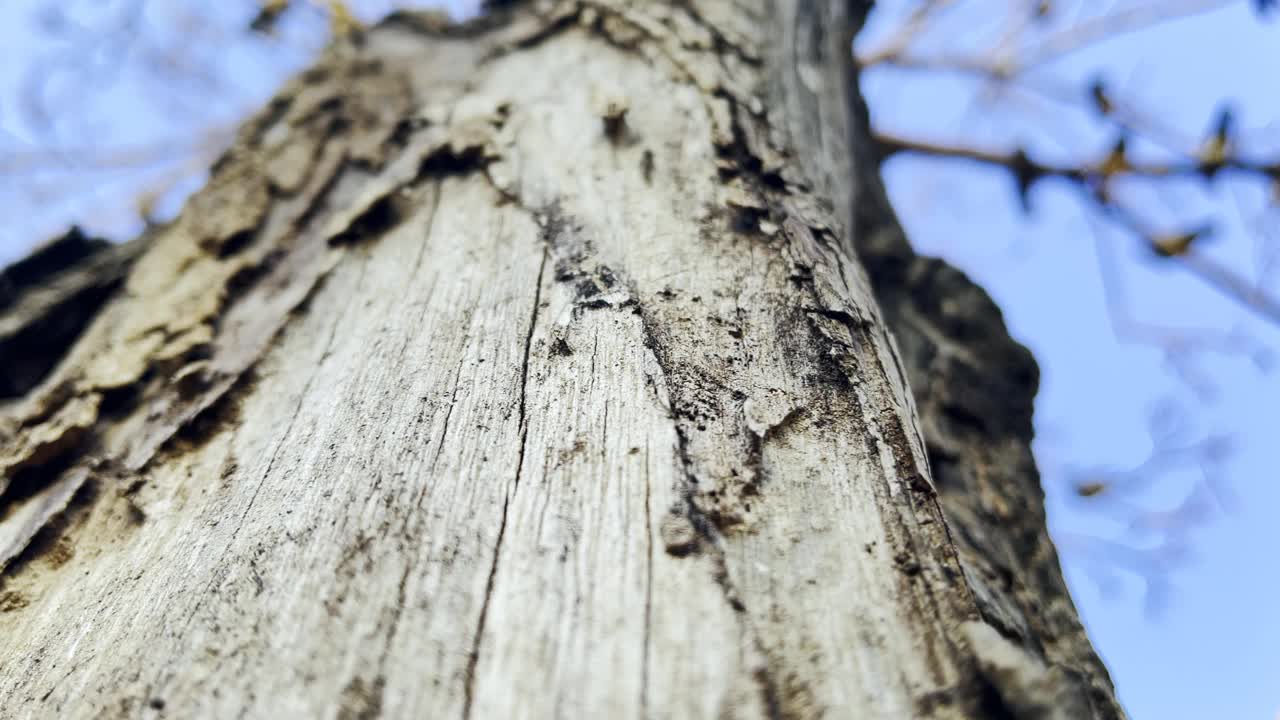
1115	24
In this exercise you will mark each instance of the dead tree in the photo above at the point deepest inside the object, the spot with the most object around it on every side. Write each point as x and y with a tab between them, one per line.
551	365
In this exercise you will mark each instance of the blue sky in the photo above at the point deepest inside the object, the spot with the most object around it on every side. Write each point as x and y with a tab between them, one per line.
1207	643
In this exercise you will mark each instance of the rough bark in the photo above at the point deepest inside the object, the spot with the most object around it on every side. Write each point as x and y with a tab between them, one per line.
524	369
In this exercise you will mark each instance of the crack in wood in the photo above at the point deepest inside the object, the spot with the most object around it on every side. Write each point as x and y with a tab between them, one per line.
474	657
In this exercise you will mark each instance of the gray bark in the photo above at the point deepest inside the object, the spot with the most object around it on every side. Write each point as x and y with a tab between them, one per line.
526	369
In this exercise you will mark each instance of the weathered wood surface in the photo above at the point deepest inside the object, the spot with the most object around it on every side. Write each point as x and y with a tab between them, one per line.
523	370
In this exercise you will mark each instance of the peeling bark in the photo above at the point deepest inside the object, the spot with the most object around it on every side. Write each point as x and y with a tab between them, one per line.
524	369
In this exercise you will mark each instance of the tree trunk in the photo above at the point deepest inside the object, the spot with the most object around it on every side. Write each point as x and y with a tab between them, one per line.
523	369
